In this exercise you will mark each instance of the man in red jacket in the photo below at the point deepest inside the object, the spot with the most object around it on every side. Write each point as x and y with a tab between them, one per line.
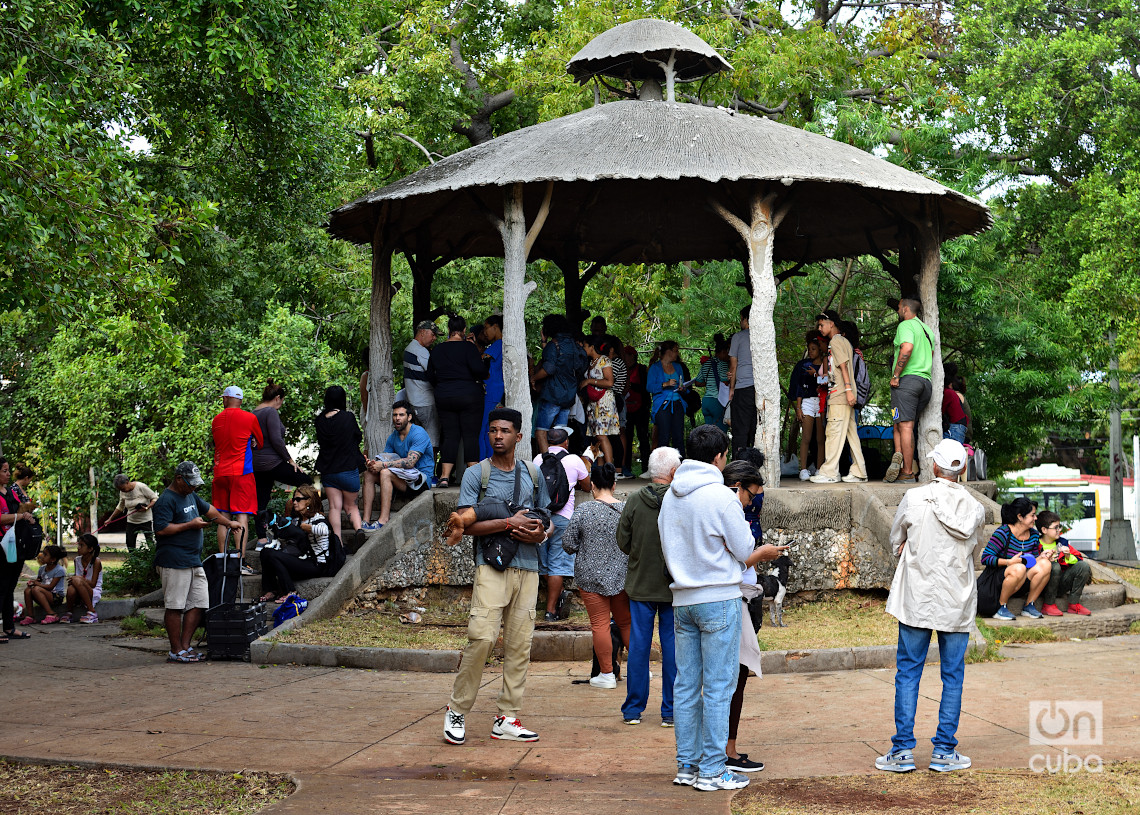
234	491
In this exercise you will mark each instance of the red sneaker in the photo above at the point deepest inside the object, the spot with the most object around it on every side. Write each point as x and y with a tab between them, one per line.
1050	610
1077	608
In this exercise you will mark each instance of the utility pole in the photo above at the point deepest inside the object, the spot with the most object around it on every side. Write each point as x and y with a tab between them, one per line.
1116	539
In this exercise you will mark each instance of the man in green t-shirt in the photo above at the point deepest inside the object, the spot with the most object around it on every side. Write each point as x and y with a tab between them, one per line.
910	387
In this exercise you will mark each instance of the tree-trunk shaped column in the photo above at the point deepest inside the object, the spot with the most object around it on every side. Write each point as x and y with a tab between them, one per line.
928	233
517	242
759	235
381	393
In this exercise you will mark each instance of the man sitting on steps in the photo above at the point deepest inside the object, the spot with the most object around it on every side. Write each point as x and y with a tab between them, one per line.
405	466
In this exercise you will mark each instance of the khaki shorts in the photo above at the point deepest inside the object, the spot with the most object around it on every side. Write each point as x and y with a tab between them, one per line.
183	589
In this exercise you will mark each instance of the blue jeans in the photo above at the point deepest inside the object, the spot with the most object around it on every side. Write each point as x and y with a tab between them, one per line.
548	415
637	664
913	645
552	558
708	659
957	432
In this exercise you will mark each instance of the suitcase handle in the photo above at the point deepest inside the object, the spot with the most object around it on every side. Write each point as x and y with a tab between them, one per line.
225	559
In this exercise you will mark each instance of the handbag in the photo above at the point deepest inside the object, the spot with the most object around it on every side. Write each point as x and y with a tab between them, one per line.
594	394
989	590
9	544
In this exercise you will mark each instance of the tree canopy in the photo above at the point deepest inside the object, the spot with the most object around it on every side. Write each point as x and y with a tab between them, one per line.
169	167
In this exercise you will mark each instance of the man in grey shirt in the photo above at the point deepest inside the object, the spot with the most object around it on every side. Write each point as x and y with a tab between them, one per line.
741	390
504	597
136	499
416	385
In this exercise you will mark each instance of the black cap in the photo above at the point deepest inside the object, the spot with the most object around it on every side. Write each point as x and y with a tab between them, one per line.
830	314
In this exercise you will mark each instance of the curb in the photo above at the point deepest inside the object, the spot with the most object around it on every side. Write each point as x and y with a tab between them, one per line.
551	646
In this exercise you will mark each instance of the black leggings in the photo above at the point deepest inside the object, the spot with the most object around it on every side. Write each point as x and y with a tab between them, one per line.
737	703
265	479
279	570
670	421
459	417
9	577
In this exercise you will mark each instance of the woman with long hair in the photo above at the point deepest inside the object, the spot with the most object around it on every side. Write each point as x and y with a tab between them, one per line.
601	412
272	462
666	381
339	460
9	572
302	557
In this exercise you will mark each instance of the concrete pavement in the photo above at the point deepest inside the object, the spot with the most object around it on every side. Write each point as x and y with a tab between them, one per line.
367	741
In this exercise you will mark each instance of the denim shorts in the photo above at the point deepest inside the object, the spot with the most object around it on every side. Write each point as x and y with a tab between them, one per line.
348	481
550	415
552	558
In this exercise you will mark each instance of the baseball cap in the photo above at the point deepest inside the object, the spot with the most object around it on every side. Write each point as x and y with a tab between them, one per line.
188	470
830	314
949	455
559	434
428	325
234	392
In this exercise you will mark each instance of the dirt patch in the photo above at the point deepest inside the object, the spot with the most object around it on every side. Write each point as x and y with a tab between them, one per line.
64	790
1115	791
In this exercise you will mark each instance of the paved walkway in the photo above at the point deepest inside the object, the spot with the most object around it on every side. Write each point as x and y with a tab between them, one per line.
363	741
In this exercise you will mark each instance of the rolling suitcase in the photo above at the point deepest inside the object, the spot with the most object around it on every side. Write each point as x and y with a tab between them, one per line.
231	623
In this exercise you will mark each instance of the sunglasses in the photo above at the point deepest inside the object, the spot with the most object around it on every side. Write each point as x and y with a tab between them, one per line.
299	498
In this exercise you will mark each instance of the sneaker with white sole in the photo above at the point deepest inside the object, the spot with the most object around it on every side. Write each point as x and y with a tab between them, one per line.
894	468
89	617
823	479
686	775
632	721
805	475
949	762
1003	613
507	729
605	681
853	479
454	730
1031	611
900	762
728	780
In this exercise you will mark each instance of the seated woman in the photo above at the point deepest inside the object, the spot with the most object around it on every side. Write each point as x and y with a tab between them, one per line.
1069	571
1009	545
299	557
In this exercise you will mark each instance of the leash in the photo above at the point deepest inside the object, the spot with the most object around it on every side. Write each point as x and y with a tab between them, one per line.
116	520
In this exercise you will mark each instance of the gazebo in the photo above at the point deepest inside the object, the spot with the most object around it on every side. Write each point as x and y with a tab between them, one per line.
656	181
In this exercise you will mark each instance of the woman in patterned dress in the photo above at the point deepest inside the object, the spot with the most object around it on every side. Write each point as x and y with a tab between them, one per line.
601	413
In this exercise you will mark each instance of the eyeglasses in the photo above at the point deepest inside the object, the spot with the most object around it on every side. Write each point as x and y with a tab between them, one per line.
751	494
1054	526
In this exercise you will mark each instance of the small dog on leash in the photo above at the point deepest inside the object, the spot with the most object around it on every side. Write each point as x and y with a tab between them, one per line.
775	587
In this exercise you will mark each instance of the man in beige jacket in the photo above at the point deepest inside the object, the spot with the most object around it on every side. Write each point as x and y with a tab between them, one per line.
934	533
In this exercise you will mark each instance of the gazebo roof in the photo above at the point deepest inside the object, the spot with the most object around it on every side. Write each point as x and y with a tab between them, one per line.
633	183
634	51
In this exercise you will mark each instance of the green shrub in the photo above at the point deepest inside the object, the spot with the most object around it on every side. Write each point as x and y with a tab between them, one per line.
136	576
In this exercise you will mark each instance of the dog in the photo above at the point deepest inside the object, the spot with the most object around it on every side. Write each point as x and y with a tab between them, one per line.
775	587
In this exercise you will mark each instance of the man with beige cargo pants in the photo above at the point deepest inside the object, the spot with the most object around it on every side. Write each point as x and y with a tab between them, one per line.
841	396
507	596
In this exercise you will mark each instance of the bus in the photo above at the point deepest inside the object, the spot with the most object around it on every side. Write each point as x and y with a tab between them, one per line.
1080	499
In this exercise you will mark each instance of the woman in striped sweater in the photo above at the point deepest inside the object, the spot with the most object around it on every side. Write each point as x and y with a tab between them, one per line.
1009	547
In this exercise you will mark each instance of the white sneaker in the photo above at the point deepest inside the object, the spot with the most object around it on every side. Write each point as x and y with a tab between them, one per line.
823	479
728	780
454	731
805	475
607	681
853	479
511	730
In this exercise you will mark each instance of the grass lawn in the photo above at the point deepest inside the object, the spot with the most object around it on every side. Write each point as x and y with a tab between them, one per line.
378	629
837	622
1114	791
63	790
1131	575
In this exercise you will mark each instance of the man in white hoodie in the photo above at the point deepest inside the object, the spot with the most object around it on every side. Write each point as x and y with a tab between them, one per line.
934	534
705	539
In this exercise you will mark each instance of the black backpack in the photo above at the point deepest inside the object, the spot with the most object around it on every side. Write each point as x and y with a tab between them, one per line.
557	484
862	380
29	540
336	556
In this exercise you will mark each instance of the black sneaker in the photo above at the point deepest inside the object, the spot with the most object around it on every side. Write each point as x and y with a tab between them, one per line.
743	765
550	617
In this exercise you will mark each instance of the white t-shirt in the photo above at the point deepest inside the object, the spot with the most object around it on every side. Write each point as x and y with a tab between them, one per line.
575	471
741	349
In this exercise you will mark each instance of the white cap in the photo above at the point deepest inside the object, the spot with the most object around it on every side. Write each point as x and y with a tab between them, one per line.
234	392
949	455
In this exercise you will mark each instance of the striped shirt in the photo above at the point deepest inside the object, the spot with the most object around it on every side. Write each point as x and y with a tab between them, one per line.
1004	545
416	358
621	375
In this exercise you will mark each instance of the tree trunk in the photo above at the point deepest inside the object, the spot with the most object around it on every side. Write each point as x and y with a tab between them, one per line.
759	235
573	285
928	231
516	289
379	418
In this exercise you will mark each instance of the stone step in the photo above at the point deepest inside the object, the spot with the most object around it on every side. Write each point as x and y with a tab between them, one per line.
1096	597
1107	623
